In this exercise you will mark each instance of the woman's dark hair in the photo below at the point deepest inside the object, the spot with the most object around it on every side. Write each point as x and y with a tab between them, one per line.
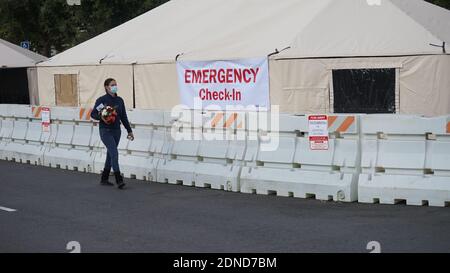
108	81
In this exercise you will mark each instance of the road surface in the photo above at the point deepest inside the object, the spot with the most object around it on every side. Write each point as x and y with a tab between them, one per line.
43	209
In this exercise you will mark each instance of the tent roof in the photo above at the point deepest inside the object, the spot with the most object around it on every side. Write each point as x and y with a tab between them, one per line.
12	55
231	29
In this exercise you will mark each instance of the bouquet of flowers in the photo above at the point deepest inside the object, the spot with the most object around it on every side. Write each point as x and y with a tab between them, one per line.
109	114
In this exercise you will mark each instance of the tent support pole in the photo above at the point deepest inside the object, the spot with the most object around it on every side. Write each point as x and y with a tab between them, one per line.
134	90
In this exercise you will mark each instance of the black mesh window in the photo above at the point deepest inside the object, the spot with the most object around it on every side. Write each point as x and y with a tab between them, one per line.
14	86
367	91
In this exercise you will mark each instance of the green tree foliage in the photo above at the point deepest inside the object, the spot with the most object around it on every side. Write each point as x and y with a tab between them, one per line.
442	3
53	26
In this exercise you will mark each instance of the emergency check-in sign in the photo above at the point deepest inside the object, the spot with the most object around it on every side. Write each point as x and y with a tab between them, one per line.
224	83
318	132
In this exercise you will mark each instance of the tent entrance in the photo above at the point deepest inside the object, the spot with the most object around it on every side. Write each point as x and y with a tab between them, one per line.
367	91
14	86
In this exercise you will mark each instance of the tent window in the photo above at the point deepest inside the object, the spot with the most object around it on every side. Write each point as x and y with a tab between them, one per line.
66	89
364	91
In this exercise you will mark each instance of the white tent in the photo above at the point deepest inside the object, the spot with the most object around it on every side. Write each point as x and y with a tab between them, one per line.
12	55
19	64
318	36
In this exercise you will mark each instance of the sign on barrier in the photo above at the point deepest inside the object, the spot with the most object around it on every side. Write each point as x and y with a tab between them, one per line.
45	115
318	132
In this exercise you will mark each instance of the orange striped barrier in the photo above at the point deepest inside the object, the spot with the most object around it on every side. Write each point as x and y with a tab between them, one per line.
341	124
232	121
36	110
85	113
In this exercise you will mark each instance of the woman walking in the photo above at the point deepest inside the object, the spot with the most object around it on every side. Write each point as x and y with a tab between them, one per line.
110	110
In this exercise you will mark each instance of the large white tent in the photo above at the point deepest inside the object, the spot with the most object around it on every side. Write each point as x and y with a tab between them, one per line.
311	38
17	65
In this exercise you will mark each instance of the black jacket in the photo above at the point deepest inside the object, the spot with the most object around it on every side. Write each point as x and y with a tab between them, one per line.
119	105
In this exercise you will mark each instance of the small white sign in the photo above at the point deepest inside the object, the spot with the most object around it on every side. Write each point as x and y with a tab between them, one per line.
318	132
100	107
45	115
74	2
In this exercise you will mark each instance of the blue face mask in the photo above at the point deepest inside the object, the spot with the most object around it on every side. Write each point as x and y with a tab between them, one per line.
114	89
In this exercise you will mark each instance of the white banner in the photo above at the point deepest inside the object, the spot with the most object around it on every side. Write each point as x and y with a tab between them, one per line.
224	83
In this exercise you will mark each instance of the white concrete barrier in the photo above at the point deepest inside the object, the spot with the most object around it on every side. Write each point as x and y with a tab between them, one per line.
201	152
20	111
13	128
179	167
293	169
12	148
64	114
33	151
68	143
405	159
140	161
5	135
4	110
370	158
54	155
221	151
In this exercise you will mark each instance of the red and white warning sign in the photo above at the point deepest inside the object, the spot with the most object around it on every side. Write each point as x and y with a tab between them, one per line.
45	115
318	132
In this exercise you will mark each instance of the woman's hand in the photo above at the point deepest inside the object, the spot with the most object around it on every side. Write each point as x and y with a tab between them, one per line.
130	136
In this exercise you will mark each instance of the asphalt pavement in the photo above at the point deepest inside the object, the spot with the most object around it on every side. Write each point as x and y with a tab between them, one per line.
43	209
